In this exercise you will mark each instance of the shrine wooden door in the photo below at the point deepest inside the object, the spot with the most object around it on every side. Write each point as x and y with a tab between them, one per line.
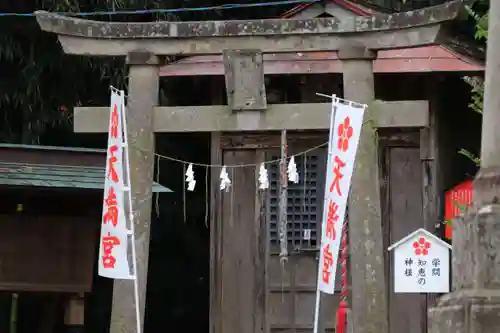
402	214
238	248
251	290
292	283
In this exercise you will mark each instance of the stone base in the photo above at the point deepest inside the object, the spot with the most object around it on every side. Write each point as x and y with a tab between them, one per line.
466	311
474	304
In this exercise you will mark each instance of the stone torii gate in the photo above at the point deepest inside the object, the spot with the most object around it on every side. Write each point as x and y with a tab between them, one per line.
243	42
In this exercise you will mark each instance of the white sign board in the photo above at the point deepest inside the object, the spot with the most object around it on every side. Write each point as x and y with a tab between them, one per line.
421	264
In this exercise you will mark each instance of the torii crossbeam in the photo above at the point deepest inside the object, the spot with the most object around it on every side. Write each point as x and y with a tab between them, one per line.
356	40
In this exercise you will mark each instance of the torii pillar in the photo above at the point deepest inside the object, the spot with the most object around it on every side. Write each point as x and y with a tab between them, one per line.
357	40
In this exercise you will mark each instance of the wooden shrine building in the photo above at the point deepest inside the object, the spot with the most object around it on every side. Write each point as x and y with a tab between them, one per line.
49	225
249	81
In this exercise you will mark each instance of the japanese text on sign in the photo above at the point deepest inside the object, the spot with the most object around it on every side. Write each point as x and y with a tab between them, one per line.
113	261
421	265
345	129
108	243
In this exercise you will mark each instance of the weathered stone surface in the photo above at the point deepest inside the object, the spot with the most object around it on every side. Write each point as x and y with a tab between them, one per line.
476	248
463	258
474	304
308	42
369	293
245	87
214	118
486	186
400	30
476	237
447	318
143	58
466	311
143	87
356	52
484	317
93	29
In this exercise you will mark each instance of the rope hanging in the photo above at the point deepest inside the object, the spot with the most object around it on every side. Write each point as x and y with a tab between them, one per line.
341	326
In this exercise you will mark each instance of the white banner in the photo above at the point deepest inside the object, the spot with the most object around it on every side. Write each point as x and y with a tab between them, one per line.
345	130
113	259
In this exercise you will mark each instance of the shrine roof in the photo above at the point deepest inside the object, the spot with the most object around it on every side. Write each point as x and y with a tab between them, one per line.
454	56
43	172
364	9
434	58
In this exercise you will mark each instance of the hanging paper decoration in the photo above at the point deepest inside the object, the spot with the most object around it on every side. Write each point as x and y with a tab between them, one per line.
263	178
293	175
225	182
190	178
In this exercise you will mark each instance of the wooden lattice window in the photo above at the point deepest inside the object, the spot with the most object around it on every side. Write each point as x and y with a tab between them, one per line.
305	201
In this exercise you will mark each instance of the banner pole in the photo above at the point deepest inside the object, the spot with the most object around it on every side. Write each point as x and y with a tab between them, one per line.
131	216
316	310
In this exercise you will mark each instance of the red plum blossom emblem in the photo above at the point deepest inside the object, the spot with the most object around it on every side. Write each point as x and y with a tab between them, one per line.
421	247
345	132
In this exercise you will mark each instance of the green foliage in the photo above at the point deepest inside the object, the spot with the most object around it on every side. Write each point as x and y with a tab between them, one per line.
481	22
475	159
40	85
477	83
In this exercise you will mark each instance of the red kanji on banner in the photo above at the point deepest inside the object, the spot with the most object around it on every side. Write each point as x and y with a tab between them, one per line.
331	220
327	263
111	164
108	243
337	175
114	122
345	132
111	213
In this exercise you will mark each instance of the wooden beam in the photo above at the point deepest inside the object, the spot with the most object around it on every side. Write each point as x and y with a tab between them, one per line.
220	118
